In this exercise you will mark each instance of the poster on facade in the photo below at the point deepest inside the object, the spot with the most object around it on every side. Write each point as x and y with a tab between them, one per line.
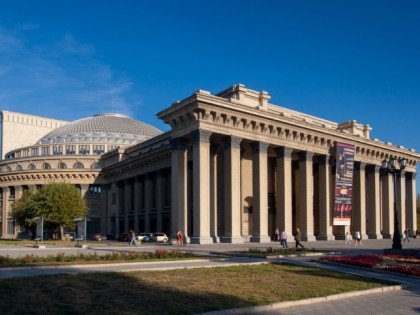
343	184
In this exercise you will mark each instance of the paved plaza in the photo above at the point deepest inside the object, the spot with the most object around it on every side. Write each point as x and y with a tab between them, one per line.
401	301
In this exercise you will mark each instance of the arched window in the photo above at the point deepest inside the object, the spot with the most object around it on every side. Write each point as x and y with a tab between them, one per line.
19	168
62	165
9	169
46	166
78	165
32	167
96	166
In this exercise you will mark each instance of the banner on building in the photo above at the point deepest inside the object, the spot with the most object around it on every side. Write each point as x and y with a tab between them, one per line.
343	184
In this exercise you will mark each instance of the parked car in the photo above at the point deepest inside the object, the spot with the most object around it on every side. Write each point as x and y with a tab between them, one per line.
100	237
110	237
124	237
160	237
145	237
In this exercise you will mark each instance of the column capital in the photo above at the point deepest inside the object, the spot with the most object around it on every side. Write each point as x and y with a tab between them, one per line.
305	156
411	175
232	142
358	166
324	159
201	135
284	152
178	144
259	147
373	168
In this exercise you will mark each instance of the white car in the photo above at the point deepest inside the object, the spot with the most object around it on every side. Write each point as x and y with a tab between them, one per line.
160	237
145	237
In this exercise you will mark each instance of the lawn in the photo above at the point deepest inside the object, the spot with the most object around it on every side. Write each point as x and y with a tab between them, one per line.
186	291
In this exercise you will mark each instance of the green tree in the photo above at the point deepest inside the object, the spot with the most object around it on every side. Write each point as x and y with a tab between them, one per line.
58	203
25	209
61	203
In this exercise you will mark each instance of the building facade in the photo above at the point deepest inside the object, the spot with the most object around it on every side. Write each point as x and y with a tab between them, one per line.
234	167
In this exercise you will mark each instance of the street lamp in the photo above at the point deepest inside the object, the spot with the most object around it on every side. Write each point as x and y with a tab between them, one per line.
391	167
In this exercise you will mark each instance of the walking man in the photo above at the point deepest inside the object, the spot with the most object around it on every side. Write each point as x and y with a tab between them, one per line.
298	237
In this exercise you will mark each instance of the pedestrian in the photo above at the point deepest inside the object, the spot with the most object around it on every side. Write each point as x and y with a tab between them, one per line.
179	238
406	235
132	238
358	238
276	234
298	237
348	238
283	239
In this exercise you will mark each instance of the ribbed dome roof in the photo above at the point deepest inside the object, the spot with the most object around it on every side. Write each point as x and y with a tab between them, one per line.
106	128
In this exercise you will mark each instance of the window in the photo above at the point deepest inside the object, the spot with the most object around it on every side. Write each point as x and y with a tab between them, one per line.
112	147
45	150
46	166
84	149
96	166
9	169
31	167
34	152
57	149
98	149
70	149
78	165
62	165
19	168
95	189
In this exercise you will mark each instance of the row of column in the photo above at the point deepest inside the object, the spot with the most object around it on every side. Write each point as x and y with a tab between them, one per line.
135	197
372	204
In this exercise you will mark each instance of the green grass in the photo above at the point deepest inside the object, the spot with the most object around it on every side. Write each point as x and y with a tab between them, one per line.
186	291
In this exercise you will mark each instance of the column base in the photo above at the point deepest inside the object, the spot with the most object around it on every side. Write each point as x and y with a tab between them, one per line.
386	235
308	238
260	239
232	239
325	237
216	239
374	236
201	240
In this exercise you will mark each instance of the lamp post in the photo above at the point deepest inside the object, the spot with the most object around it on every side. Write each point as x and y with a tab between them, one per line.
390	166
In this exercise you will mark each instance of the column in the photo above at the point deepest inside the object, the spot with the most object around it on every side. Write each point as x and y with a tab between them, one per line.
387	205
411	201
373	209
201	187
148	202
232	193
137	203
127	203
401	209
306	195
359	199
213	194
179	213
5	214
325	215
260	192
159	200
284	191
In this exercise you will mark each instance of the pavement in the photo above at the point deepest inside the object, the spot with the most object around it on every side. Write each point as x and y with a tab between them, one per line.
403	298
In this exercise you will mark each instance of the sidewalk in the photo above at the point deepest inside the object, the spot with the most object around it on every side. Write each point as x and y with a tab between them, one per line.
405	301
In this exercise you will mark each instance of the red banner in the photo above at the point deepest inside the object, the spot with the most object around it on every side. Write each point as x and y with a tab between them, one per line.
343	184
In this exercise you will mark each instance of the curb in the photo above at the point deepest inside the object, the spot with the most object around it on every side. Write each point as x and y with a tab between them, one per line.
280	305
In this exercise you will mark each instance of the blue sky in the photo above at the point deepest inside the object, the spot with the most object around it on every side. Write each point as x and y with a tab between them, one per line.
339	60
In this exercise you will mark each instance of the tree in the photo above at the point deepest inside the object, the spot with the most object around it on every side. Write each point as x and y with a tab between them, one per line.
25	209
58	203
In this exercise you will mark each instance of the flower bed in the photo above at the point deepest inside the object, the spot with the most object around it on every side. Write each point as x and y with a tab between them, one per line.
397	263
80	257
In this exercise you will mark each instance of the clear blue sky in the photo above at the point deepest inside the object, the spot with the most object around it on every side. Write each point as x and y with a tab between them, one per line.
339	60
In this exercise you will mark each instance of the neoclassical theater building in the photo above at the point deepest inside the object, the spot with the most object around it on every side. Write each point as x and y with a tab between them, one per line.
232	168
